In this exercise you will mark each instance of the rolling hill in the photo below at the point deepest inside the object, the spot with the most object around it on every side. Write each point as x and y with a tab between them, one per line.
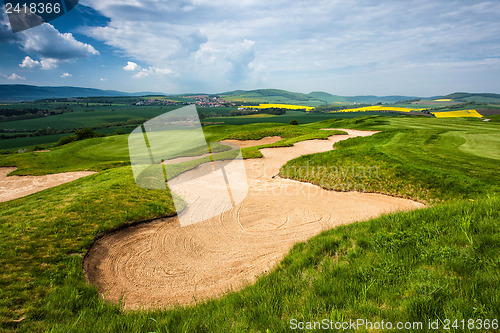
22	92
314	98
473	97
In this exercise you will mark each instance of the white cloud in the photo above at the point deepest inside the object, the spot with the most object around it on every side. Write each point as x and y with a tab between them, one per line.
64	75
44	63
131	66
47	42
13	77
29	63
103	79
219	43
145	72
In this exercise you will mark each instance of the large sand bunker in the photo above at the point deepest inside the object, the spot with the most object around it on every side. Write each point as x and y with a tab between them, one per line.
13	187
160	264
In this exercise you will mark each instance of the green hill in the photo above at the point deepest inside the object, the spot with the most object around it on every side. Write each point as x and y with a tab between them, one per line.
273	96
314	98
473	97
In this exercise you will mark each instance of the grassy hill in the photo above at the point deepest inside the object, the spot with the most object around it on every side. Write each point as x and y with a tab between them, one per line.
272	96
314	98
461	97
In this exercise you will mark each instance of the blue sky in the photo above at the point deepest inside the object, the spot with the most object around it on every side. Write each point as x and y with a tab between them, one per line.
355	47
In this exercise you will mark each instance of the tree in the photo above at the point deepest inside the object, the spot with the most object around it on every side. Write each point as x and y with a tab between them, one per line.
85	133
294	122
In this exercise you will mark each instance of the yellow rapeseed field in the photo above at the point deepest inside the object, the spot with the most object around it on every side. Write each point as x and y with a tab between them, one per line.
281	106
442	100
379	108
458	113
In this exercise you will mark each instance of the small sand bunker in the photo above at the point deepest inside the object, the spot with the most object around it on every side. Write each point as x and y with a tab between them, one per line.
251	143
19	186
242	144
161	264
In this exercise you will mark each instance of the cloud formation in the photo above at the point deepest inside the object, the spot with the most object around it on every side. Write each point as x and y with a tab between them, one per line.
222	42
49	43
13	77
131	66
343	47
145	72
44	63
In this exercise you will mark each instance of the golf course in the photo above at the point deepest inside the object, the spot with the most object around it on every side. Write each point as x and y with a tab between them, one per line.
384	218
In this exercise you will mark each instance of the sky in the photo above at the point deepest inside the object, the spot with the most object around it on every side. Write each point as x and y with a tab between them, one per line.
347	47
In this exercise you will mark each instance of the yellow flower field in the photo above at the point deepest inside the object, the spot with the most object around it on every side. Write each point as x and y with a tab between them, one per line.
458	113
280	106
442	100
379	108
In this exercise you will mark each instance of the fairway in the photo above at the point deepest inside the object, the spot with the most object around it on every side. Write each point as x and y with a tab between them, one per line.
484	145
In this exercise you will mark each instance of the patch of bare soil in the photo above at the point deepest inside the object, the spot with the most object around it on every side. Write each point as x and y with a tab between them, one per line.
161	264
13	187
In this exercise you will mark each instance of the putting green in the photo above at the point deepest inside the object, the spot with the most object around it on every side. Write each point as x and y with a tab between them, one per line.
480	144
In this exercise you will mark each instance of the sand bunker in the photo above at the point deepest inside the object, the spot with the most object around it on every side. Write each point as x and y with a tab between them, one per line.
250	143
19	186
160	264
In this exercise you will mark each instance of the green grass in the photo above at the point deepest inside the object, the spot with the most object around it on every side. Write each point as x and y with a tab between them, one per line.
81	118
301	117
427	165
427	159
483	145
108	152
44	235
435	263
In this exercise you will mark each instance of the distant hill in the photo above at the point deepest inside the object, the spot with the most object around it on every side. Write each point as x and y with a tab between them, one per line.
272	96
328	98
22	92
472	97
314	98
376	99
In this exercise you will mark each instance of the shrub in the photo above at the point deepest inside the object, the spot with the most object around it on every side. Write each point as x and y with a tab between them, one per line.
294	122
119	132
85	133
66	139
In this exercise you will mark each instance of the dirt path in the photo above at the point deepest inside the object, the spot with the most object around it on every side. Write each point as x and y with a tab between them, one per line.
160	264
19	186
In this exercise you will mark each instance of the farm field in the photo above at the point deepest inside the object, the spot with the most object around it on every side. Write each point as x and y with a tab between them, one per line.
457	114
381	108
301	117
410	266
280	106
105	118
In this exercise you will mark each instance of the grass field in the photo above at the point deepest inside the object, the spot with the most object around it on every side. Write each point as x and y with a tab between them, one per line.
444	156
431	264
103	153
301	117
79	119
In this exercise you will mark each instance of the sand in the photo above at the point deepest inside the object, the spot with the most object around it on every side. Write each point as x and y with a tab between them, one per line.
250	143
161	264
13	187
